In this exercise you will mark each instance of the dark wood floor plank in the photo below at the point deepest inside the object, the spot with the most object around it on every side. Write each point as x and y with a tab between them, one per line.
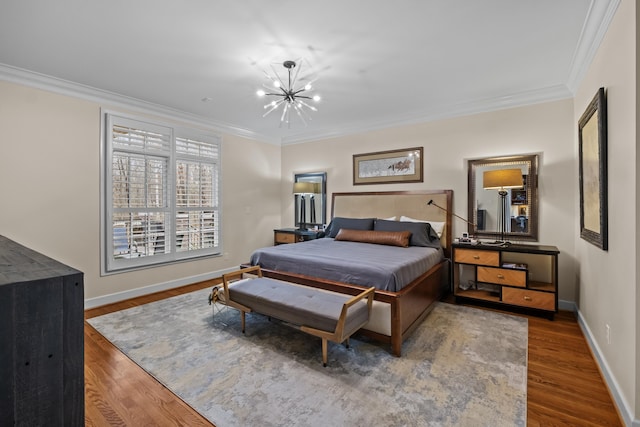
565	386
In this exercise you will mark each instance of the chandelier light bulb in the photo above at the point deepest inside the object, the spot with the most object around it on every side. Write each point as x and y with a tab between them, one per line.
308	86
260	92
316	98
276	83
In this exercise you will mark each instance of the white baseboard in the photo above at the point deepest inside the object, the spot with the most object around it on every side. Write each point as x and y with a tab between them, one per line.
567	305
614	388
158	287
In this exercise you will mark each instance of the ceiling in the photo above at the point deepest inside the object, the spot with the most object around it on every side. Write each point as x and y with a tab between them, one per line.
379	63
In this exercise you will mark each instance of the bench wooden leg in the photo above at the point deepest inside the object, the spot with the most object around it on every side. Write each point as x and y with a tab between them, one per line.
347	342
242	320
324	352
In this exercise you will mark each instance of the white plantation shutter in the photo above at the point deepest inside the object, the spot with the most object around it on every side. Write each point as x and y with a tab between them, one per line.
197	215
161	194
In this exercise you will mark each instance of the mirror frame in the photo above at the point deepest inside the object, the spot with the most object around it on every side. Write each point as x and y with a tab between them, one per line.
531	162
320	177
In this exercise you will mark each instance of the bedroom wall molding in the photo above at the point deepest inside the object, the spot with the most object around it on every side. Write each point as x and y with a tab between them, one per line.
599	16
597	22
150	289
614	388
106	98
68	88
567	306
536	96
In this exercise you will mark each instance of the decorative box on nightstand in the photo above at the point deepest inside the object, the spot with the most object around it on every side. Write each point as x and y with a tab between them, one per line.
524	276
293	235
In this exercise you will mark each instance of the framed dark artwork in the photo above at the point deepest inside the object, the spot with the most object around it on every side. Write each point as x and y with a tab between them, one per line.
592	140
386	167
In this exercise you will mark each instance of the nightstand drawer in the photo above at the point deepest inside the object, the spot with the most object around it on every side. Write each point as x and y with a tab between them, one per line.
527	298
472	256
284	237
503	276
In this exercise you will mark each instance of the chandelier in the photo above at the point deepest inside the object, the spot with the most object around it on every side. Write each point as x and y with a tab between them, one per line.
290	91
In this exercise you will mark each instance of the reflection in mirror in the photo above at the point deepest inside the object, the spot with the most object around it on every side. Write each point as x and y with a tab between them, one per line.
521	211
310	193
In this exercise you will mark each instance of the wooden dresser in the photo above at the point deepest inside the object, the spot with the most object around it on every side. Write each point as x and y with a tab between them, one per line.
523	276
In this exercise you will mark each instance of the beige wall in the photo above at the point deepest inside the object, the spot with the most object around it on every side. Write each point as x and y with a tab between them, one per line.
608	280
50	177
448	144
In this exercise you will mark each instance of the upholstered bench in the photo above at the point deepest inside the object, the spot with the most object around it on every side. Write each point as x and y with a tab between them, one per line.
329	315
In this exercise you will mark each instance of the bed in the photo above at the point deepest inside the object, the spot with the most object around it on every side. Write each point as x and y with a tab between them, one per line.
408	280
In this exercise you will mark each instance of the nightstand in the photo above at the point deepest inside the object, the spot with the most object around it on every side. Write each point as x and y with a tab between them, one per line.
293	235
523	276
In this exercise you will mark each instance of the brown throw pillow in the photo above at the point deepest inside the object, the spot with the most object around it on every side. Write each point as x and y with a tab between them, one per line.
391	238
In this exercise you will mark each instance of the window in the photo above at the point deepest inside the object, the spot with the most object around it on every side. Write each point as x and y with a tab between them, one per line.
161	188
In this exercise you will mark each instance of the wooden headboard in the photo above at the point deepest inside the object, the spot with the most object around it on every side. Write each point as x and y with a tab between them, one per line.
385	204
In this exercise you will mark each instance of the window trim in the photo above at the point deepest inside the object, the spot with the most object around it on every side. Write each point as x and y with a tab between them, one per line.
108	265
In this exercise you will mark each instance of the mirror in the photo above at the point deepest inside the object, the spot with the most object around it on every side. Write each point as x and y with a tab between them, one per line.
310	193
521	212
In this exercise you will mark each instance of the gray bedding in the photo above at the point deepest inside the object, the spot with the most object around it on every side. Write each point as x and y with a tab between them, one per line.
387	268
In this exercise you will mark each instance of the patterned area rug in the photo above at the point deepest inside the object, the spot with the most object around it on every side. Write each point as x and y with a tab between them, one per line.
461	367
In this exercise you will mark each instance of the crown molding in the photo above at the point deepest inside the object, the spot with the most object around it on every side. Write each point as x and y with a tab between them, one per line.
521	99
597	21
596	24
99	96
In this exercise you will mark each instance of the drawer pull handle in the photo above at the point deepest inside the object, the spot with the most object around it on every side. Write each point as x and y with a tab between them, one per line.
476	257
527	298
500	276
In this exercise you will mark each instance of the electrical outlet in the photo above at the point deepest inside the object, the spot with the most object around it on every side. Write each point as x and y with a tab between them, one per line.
608	329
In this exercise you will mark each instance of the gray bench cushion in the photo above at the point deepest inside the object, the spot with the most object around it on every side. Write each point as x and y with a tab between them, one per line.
299	305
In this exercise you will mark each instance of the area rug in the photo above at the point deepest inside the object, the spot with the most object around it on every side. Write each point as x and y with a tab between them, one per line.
462	367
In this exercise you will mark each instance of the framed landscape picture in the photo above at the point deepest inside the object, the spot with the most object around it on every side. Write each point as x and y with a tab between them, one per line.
385	167
592	139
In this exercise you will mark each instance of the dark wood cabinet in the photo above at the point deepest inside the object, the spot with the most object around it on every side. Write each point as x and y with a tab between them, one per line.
41	339
523	276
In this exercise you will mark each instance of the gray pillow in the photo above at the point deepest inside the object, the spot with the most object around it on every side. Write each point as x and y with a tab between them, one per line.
351	223
421	232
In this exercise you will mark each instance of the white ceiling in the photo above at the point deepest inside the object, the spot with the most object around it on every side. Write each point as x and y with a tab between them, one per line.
380	63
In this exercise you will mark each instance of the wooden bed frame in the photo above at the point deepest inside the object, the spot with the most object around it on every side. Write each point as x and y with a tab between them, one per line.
414	302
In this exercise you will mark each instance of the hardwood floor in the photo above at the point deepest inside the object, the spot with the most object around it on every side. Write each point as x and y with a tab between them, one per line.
565	387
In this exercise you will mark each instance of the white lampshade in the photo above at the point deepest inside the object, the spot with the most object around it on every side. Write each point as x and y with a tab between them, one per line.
502	178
